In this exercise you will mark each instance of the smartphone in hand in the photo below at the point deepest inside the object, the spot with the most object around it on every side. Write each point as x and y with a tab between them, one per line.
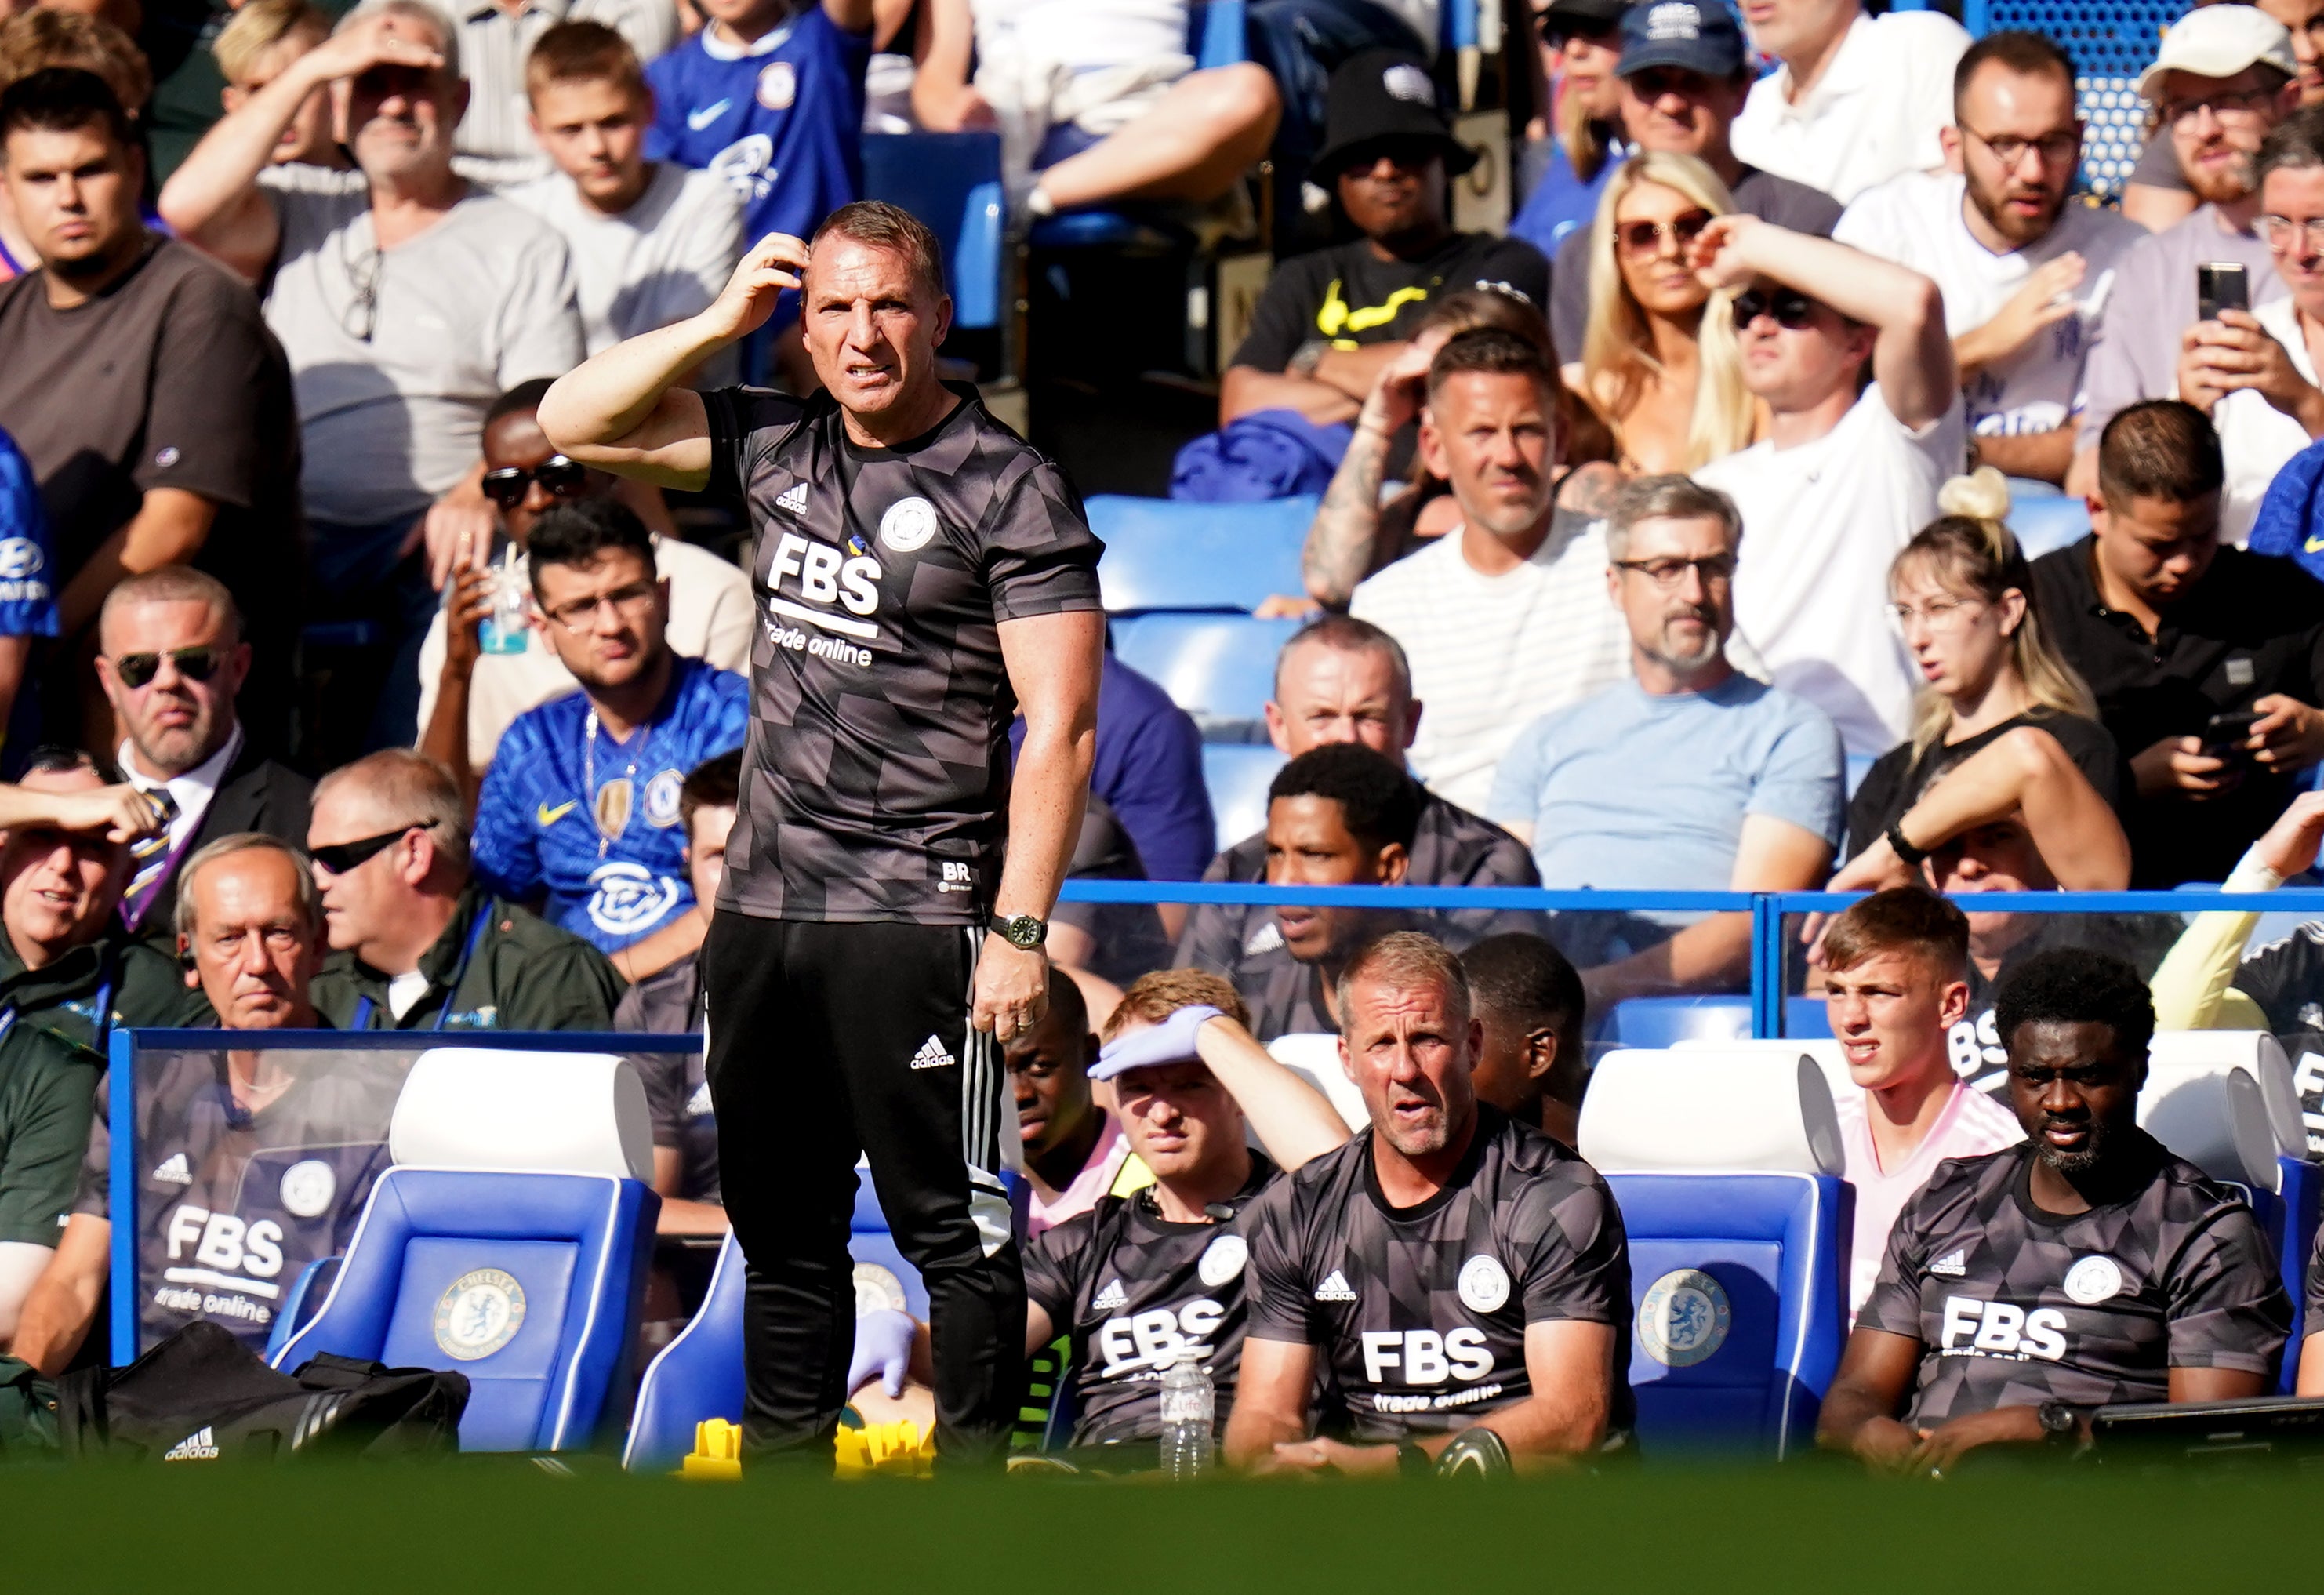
2224	735
2220	285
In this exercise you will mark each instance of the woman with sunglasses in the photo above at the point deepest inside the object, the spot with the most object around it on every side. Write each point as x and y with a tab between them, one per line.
1674	398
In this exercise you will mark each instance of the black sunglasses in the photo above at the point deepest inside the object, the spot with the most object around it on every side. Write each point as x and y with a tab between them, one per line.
340	857
561	476
195	664
1791	309
1641	237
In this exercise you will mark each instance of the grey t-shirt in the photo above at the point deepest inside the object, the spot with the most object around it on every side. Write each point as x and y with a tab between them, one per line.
395	356
1763	194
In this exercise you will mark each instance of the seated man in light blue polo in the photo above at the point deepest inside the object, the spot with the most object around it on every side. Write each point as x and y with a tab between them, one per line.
1691	776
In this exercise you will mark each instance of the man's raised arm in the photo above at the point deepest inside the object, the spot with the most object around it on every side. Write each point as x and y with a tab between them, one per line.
622	412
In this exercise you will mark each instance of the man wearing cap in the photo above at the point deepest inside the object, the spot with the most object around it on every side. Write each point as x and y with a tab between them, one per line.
2224	79
1856	99
1331	321
1683	77
2025	275
2156	196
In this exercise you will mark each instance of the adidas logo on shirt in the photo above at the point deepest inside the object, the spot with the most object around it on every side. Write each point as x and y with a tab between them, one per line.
200	1446
1111	1299
174	1171
1954	1263
698	1105
794	499
1265	939
933	1056
1334	1289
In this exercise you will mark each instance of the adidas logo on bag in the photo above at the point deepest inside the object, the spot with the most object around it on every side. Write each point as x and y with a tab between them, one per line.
933	1056
794	499
1334	1289
1111	1299
1953	1264
200	1446
175	1171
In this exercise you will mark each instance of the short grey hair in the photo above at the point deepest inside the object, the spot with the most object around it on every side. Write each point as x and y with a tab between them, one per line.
447	32
411	789
1668	498
1404	959
1344	633
311	900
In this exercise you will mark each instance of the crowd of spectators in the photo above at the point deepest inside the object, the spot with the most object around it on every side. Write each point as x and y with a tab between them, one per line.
1664	542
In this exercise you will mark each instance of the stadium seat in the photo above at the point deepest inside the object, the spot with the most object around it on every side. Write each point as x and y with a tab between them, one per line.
1822	1051
1316	1058
2224	1099
951	181
1805	1017
1218	667
1726	1165
510	1242
1166	554
1238	775
699	1375
1660	1021
2048	521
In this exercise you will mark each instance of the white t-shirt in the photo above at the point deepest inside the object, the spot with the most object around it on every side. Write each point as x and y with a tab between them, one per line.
2255	438
711	612
1971	1125
1079	34
1874	113
1915	219
479	302
1821	523
1492	654
665	258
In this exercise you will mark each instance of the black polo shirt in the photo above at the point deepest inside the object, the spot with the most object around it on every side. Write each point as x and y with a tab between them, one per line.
2253	626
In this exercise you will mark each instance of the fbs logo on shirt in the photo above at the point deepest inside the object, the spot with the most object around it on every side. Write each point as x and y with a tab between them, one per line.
834	593
1155	1338
1996	1329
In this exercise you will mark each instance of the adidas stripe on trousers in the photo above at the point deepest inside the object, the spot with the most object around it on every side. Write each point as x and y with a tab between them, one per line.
820	1051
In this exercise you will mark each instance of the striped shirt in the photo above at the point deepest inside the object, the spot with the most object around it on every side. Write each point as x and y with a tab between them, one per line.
493	137
1491	654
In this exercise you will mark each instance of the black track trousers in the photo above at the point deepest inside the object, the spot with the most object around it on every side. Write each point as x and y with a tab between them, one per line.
828	1041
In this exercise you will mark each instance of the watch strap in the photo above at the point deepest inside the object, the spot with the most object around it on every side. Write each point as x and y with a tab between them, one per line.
1904	850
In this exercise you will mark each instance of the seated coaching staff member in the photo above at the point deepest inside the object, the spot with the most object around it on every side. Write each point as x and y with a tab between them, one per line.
2085	1266
1465	1278
921	573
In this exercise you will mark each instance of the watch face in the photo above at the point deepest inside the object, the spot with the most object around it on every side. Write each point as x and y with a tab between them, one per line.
1026	931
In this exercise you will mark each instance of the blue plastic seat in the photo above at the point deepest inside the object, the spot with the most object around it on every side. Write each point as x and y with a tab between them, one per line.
951	181
1659	1021
1218	667
1166	554
2048	521
1237	776
2302	1195
1806	1019
528	1284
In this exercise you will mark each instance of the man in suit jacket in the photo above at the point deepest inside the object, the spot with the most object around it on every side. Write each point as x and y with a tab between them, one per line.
171	658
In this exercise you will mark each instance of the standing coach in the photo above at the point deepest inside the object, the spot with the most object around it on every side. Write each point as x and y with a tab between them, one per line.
921	575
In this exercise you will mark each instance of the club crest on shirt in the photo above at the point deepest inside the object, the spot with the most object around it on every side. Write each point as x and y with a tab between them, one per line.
662	798
308	1187
1222	1260
2092	1280
612	807
1683	1318
909	524
779	86
1484	1284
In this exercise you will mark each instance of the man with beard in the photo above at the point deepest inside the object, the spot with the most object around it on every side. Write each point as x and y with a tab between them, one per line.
1689	774
2025	1289
1462	1280
2224	77
2024	274
2156	194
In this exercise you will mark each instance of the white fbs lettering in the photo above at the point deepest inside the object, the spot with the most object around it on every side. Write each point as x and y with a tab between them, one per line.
1426	1357
223	1241
824	577
1154	1338
1995	1329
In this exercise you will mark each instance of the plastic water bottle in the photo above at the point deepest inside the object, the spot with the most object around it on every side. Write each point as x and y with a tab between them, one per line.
504	630
1190	1406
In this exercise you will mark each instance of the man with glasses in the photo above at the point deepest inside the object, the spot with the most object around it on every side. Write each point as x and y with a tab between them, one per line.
1850	468
2156	196
2025	273
580	811
416	944
405	303
2255	371
1745	779
2223	78
173	658
468	697
143	388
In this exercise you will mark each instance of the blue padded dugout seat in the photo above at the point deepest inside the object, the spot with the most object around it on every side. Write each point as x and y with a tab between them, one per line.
472	1255
699	1375
1218	667
1663	1021
1726	1168
2224	1099
1237	776
1166	554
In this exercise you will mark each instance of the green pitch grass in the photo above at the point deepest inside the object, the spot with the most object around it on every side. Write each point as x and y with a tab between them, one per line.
485	1526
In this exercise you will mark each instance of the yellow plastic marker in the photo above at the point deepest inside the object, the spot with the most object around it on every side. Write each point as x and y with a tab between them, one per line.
898	1448
717	1450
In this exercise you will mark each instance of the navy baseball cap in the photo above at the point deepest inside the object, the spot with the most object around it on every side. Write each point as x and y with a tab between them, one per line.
1698	35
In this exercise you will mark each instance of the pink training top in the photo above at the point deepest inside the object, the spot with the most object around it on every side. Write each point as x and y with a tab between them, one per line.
1095	1179
1971	1125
